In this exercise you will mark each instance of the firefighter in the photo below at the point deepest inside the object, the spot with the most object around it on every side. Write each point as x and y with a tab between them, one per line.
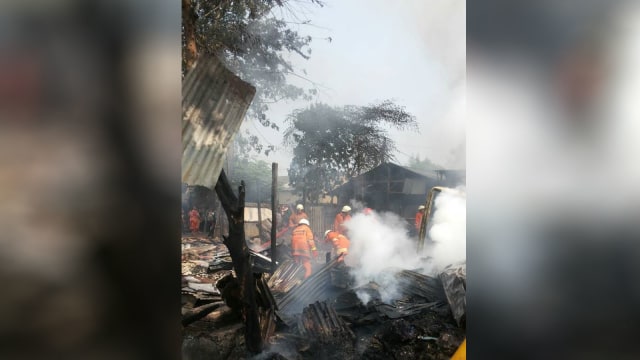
340	243
419	216
303	246
341	219
295	218
194	220
211	221
184	226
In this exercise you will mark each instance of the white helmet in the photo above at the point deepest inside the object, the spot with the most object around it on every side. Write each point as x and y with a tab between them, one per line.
300	207
326	233
346	208
303	221
421	207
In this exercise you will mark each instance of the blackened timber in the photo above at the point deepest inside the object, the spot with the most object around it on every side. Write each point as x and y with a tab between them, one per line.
235	242
200	312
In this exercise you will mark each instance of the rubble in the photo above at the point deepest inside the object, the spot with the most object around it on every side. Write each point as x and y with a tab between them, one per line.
331	337
314	288
455	285
321	317
320	321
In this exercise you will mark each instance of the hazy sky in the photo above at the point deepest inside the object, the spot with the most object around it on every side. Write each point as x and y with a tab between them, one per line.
410	51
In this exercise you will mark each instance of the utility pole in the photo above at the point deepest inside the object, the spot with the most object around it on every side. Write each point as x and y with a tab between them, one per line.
274	218
259	211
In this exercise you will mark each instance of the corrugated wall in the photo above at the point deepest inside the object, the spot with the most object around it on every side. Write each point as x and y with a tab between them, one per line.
214	102
321	219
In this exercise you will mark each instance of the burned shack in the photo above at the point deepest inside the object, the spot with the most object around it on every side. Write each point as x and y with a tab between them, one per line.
395	188
234	308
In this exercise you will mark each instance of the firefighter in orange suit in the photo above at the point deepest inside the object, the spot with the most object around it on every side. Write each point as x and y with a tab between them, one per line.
340	243
295	218
419	216
303	246
194	220
341	219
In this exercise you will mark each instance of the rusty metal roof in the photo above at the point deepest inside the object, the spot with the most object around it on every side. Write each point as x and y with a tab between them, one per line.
214	102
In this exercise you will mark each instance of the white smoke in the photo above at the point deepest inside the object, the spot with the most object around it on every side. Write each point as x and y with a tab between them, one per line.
449	229
379	242
381	247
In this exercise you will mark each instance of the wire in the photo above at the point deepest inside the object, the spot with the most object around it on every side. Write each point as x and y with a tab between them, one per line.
262	136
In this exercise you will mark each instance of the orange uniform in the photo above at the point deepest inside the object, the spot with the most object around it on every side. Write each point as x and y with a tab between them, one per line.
338	223
296	217
419	216
340	242
194	220
302	246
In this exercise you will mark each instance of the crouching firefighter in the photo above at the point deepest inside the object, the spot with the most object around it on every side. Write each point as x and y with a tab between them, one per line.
303	246
340	243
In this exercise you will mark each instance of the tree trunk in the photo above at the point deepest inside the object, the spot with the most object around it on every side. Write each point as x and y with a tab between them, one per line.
190	48
235	242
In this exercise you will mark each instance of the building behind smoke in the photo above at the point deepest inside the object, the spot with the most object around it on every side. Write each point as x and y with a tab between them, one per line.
395	188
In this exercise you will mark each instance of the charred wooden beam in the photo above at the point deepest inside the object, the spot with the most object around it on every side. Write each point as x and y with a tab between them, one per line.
200	312
235	242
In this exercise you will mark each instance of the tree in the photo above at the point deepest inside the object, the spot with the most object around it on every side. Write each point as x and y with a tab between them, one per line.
425	164
251	41
332	144
254	172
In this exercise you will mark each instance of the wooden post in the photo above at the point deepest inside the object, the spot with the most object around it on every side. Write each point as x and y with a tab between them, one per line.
259	212
235	242
304	192
274	221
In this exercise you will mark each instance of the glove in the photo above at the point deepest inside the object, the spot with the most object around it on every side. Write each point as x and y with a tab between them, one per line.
315	254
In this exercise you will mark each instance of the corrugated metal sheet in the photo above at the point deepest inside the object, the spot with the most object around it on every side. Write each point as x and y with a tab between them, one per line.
312	289
214	102
316	220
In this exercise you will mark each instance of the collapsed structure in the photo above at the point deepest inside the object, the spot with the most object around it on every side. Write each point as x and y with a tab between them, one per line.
322	317
232	303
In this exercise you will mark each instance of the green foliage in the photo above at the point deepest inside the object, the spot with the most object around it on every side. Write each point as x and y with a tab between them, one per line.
255	173
332	144
255	44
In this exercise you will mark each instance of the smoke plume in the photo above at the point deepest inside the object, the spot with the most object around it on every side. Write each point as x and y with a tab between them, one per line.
381	245
449	229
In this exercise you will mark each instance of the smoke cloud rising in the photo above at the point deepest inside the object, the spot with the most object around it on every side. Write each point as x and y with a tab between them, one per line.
449	229
381	246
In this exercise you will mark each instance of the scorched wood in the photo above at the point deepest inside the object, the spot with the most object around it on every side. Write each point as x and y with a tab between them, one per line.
235	242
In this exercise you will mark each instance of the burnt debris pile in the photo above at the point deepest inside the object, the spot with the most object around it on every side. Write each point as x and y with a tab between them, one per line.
323	316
